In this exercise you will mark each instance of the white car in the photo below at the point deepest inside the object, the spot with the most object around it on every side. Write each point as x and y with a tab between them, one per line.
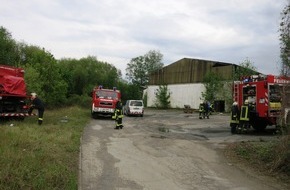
134	107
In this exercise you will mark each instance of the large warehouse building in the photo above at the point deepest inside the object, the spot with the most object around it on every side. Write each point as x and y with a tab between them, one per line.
184	79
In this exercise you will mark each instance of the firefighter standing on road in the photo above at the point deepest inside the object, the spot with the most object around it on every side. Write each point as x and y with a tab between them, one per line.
235	116
206	106
201	110
211	108
244	117
204	110
37	104
118	115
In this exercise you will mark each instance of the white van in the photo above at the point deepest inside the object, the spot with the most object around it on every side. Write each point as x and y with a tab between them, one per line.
134	107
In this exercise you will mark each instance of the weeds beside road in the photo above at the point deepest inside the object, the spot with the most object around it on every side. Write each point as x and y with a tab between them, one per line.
42	157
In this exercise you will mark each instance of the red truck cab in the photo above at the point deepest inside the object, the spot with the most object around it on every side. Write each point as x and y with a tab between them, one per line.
104	101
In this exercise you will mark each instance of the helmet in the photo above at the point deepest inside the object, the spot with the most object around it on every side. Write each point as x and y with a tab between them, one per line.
33	94
235	103
246	101
119	105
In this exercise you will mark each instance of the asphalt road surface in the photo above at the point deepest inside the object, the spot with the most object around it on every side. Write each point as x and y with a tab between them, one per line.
165	150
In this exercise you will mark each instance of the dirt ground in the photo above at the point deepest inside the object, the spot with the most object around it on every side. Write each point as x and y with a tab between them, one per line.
165	149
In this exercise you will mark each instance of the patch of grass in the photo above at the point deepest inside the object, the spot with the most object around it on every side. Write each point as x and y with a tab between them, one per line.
42	157
271	157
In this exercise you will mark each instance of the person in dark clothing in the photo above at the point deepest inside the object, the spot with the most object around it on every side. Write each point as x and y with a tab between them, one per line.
206	107
118	115
201	110
37	104
244	123
235	116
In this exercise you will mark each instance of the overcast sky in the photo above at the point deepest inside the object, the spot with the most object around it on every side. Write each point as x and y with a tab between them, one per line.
115	31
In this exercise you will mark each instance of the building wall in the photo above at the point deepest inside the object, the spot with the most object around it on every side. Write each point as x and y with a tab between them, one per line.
190	71
181	94
185	80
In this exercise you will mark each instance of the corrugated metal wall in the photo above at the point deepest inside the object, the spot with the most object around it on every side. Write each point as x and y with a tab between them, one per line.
190	71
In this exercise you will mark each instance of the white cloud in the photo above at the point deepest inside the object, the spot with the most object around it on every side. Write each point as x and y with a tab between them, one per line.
116	31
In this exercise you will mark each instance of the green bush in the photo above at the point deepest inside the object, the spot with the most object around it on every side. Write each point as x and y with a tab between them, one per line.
162	95
83	101
268	156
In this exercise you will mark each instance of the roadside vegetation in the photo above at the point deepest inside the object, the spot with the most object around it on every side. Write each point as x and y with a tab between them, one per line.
270	158
42	157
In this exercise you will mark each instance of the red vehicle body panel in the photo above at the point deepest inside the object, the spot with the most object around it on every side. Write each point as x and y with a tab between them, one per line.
13	98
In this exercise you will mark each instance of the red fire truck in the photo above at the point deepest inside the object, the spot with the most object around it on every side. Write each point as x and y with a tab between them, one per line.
263	94
104	101
13	98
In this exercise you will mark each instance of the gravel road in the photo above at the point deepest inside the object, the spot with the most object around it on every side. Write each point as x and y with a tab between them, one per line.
167	150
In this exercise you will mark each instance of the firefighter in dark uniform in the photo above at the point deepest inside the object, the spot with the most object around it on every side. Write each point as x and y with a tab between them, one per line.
37	104
235	116
244	123
201	110
211	108
206	107
118	115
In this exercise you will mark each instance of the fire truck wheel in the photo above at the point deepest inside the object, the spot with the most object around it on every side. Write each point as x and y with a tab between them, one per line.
233	129
95	115
259	125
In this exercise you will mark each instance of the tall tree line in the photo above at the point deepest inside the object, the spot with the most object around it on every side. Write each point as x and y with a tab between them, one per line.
285	40
68	81
61	82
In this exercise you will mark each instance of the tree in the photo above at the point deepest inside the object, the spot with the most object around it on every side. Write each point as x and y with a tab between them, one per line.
139	68
285	41
43	75
285	70
162	97
213	85
246	68
9	54
56	81
129	91
84	74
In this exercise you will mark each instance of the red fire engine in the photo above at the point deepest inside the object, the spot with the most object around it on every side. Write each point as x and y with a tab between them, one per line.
104	101
13	98
263	95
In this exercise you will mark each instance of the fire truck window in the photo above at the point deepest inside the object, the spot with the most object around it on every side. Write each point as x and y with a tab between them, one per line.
112	95
99	94
275	95
103	94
